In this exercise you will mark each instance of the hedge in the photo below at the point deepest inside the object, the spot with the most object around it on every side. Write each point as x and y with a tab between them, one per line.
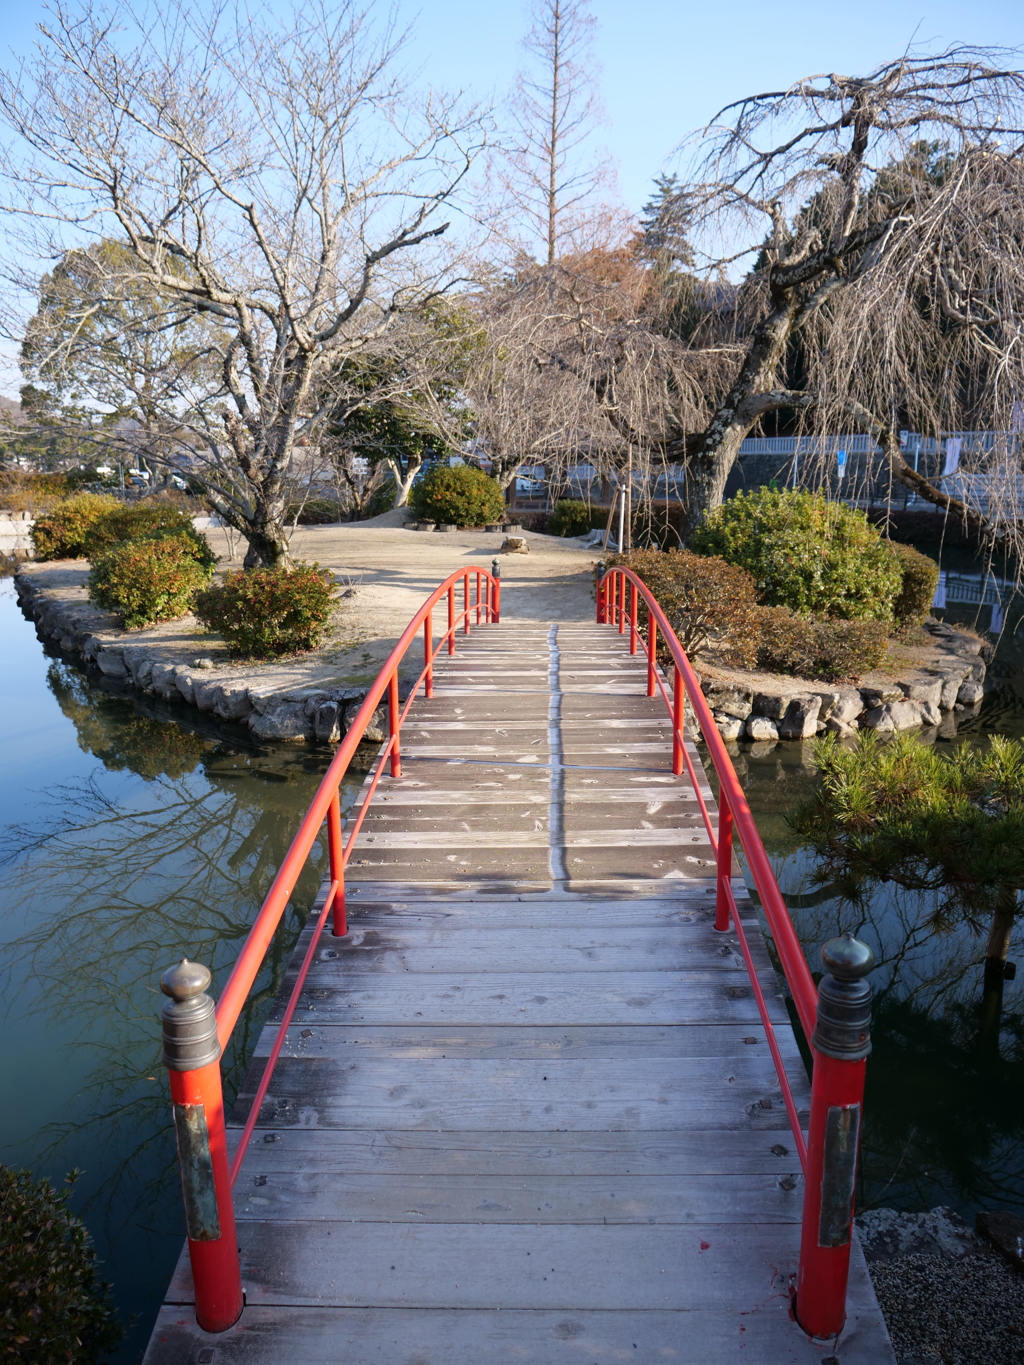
458	495
146	581
141	521
54	1308
62	533
917	592
806	552
264	613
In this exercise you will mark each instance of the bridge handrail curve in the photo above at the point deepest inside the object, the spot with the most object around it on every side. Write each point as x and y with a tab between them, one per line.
612	609
326	806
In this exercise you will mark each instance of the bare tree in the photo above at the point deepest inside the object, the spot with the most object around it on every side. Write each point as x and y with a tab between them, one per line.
551	177
885	216
269	178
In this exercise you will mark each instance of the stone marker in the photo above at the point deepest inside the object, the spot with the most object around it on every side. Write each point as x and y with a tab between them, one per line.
514	545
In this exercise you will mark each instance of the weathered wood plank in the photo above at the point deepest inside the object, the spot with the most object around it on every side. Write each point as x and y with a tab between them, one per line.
445	1094
411	1151
464	1265
659	1200
370	1336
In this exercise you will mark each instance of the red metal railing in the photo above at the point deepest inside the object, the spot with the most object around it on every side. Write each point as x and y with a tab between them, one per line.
215	1266
824	1268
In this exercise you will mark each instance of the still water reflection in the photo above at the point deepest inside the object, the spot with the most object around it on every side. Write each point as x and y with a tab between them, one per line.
944	1109
134	833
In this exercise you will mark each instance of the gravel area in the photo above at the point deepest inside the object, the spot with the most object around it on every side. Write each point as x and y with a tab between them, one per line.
948	1298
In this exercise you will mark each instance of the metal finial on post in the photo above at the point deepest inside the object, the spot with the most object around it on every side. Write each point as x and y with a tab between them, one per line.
843	1025
841	1043
189	1018
496	591
192	1057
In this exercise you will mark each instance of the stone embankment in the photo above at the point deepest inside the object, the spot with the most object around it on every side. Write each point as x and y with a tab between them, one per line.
767	708
289	702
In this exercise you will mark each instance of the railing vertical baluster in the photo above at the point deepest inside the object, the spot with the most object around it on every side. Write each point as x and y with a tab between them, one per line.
724	864
622	602
192	1058
336	855
428	663
841	1042
479	595
677	721
634	634
465	604
393	726
451	619
652	653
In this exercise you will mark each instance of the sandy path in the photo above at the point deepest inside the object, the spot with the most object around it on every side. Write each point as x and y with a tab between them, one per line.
391	570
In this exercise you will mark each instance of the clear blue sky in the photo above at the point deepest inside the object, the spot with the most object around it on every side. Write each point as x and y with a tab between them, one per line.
668	65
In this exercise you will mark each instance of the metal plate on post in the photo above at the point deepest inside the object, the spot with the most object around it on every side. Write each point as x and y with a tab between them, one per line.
202	1221
842	1134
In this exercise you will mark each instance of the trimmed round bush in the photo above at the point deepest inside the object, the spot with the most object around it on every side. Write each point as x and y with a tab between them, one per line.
264	613
146	581
143	521
53	1305
917	590
710	605
574	518
805	552
458	495
63	531
828	650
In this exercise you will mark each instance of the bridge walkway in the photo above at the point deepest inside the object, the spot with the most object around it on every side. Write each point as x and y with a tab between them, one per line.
526	1111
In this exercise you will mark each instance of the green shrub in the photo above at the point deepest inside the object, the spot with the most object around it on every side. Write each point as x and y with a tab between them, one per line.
143	521
710	605
457	495
830	650
573	518
314	512
920	579
152	580
805	552
62	532
263	613
53	1305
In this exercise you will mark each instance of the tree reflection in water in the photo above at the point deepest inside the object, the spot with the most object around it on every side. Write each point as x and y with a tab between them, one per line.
121	877
944	1108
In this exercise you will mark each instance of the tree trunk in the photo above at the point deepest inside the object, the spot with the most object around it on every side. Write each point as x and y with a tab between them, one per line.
268	548
404	479
996	950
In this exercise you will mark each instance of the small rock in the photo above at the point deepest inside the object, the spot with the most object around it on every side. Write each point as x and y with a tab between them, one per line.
874	697
202	663
931	713
761	728
729	727
287	722
841	728
924	688
801	718
770	705
893	716
327	722
112	665
514	545
970	692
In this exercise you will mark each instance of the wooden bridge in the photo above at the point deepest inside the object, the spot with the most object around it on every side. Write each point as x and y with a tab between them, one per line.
525	1110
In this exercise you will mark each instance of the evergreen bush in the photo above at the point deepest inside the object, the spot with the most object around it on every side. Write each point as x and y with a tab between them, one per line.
710	605
805	552
63	531
829	650
54	1308
146	581
917	591
264	613
458	495
143	521
574	518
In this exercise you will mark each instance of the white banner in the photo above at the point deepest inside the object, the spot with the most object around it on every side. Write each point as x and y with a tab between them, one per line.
953	446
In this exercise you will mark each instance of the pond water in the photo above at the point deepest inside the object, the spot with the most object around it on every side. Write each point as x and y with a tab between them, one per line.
134	833
944	1104
137	832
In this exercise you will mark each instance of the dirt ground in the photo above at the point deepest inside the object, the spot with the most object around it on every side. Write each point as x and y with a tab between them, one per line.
389	570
